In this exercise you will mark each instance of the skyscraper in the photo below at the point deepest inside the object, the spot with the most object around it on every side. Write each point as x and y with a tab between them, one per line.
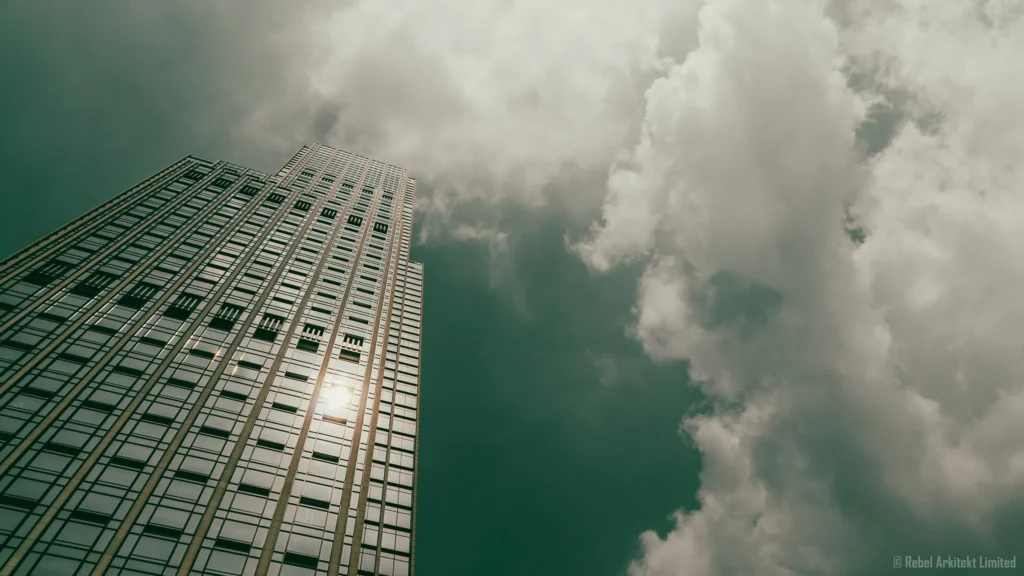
216	372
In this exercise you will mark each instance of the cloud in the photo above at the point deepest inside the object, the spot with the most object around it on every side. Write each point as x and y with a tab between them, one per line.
489	102
866	393
606	366
871	405
501	262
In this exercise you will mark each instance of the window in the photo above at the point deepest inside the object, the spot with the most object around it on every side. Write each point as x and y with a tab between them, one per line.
268	328
139	295
351	346
94	284
47	273
275	198
249	190
380	227
226	317
222	182
301	560
307	174
350	355
162	531
329	213
355	220
303	206
183	306
311	337
194	174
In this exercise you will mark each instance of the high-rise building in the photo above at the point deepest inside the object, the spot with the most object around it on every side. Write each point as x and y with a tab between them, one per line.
216	372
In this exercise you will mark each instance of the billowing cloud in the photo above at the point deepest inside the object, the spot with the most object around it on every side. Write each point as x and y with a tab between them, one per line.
487	102
869	394
827	198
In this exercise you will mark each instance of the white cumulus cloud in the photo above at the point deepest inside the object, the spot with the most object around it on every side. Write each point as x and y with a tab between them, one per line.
872	405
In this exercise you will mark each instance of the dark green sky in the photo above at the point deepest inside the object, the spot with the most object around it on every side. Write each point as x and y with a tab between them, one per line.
549	441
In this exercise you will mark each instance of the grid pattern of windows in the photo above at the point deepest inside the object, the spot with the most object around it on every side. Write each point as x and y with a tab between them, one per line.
198	379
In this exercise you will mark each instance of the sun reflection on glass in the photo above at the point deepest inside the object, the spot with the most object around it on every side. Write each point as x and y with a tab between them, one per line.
337	397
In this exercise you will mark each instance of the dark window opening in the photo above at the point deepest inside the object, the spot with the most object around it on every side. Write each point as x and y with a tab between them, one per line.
311	337
251	489
314	503
303	206
184	306
226	317
232	545
162	531
157	419
47	273
249	190
38	393
326	457
23	346
139	295
329	213
152	341
94	284
270	445
17	502
234	395
268	327
222	182
61	449
122	462
355	220
284	407
90	517
215	432
275	198
202	354
129	371
301	560
190	476
380	227
98	406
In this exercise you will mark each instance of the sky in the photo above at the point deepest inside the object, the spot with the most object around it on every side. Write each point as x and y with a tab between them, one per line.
712	288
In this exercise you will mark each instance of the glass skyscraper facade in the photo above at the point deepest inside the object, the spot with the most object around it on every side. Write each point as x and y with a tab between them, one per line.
216	372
